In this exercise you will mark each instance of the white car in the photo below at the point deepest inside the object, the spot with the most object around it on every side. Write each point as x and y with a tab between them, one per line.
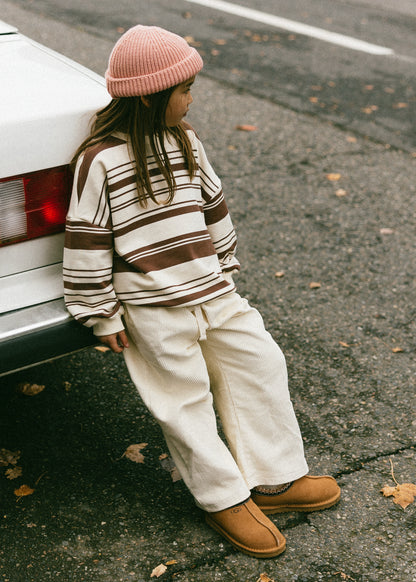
46	105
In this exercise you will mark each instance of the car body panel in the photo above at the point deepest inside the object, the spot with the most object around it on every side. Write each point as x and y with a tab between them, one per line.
7	28
47	105
25	280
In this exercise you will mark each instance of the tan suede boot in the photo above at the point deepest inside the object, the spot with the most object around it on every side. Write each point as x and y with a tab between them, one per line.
305	494
248	530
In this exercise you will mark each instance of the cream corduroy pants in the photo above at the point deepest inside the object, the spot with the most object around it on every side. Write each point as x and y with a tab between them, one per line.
186	360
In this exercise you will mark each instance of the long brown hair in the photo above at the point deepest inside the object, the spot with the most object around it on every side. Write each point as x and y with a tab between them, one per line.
139	120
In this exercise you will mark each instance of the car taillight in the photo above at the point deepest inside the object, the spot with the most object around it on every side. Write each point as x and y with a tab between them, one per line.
34	204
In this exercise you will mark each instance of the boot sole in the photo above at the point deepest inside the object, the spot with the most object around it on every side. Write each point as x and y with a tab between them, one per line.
270	510
245	550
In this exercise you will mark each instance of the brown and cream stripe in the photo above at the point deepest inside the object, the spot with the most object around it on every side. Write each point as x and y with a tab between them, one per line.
117	251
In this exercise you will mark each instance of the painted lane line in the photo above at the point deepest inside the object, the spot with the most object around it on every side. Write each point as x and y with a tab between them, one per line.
298	27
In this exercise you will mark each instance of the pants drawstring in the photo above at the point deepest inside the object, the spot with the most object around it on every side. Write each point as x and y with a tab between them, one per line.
201	322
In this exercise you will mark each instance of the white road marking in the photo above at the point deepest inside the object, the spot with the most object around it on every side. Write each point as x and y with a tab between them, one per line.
297	27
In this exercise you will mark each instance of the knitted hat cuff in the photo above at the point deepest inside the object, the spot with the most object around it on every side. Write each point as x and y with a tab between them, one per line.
155	82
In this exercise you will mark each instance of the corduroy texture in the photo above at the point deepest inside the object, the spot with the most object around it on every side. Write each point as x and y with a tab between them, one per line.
149	59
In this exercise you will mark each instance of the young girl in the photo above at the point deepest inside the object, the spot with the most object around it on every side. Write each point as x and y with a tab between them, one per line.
149	258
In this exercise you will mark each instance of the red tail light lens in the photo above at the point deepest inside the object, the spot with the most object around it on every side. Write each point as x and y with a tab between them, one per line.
34	205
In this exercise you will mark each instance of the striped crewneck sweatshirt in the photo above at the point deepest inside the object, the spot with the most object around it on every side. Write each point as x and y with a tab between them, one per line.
117	251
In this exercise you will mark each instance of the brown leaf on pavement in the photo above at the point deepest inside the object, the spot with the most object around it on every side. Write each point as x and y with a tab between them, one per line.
341	192
8	457
133	453
403	494
344	344
23	491
14	473
370	109
158	571
102	349
29	389
333	177
190	40
246	127
168	465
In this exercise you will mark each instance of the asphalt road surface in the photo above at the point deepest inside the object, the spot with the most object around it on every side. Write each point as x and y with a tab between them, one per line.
326	226
351	62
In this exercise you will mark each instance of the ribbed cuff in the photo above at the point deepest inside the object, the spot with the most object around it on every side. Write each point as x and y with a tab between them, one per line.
108	326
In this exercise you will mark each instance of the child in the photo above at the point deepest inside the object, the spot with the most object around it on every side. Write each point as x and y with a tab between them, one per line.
149	258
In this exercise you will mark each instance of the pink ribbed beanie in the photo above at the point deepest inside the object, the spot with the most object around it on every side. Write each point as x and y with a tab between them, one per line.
149	59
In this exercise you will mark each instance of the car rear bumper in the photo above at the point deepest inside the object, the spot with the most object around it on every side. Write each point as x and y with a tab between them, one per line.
38	334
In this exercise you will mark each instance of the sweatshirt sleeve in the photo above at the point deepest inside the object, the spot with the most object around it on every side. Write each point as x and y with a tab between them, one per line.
88	252
217	217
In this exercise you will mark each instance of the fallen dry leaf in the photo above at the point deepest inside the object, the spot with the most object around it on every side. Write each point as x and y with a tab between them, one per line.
403	494
175	475
8	457
169	466
397	350
341	192
400	105
102	348
351	139
344	345
133	453
314	285
14	473
264	578
23	491
30	389
171	562
370	109
246	127
333	177
190	40
158	571
343	576
279	274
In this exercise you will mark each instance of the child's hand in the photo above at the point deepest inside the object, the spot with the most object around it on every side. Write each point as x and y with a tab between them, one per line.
116	341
